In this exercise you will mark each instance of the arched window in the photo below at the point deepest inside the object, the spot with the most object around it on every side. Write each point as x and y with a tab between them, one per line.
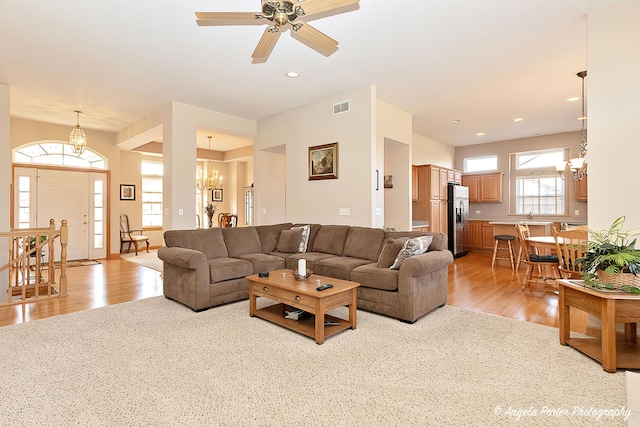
59	154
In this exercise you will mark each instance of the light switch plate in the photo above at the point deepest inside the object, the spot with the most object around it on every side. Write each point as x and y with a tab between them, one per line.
345	211
180	211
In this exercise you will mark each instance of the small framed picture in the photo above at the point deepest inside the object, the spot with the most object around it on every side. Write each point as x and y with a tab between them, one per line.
127	192
388	181
216	195
323	162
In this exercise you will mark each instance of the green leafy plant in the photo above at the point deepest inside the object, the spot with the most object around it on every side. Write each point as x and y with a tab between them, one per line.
613	251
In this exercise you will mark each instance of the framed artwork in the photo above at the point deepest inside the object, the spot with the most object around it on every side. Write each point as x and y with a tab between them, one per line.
323	162
127	192
388	181
216	195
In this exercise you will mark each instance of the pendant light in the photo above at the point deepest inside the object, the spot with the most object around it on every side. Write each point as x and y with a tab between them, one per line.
212	180
578	165
78	139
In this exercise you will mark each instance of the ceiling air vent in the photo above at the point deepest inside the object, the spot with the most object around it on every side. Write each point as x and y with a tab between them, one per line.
341	107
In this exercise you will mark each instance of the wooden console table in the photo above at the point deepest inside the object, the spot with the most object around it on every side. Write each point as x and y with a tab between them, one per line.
610	308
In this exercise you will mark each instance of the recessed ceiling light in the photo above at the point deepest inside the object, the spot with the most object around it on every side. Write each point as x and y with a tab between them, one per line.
293	74
519	119
575	98
455	121
480	133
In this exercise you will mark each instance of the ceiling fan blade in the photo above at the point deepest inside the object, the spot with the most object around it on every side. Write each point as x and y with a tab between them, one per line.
313	38
265	46
228	18
327	7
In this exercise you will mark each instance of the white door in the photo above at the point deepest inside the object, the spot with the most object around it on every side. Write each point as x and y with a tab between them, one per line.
65	194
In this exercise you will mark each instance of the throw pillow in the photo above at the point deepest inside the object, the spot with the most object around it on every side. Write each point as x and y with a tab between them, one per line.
289	240
304	241
390	251
411	247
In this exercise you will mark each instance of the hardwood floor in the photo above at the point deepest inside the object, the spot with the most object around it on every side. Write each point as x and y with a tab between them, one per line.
472	285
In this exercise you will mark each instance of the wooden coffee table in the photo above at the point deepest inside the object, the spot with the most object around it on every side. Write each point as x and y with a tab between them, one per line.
610	308
302	294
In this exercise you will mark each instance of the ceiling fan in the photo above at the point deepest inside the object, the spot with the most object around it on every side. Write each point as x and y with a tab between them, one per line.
283	15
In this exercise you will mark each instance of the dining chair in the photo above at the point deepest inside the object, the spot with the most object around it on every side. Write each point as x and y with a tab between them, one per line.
227	220
129	236
571	245
535	261
522	232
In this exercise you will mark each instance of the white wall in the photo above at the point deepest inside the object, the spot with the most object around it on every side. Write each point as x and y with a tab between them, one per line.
428	151
5	185
311	125
613	82
393	157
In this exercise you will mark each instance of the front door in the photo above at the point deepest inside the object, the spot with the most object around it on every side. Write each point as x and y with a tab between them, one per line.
65	194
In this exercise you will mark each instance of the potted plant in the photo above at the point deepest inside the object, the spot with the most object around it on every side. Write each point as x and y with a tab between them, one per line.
612	260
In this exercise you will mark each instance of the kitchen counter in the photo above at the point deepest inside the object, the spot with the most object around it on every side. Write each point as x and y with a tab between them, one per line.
544	223
419	225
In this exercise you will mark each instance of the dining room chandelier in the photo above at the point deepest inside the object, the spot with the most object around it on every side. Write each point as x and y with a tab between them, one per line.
212	180
78	139
578	165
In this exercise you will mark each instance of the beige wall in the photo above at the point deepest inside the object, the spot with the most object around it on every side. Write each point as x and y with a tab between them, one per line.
428	151
503	149
5	184
311	125
612	106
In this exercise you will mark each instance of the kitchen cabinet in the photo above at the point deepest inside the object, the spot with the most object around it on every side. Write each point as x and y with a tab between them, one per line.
581	189
414	183
487	236
475	234
429	194
485	188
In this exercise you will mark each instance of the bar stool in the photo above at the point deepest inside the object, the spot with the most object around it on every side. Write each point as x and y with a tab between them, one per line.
503	238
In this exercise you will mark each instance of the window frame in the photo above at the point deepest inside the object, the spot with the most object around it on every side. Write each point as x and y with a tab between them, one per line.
467	160
147	197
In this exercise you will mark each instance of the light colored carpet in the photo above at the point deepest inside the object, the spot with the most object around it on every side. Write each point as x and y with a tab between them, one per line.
149	260
155	362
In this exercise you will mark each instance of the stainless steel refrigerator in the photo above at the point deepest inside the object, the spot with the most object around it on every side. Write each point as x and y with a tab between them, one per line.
458	219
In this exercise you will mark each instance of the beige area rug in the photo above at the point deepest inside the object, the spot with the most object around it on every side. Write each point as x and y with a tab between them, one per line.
155	362
149	260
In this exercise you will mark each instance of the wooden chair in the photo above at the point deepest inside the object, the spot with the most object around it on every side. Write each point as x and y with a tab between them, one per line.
535	261
571	245
127	235
227	220
522	231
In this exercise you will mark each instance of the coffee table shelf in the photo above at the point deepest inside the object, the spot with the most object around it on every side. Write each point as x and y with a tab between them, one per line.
305	326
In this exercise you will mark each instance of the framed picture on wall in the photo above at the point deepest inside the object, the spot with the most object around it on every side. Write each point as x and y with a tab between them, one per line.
127	192
216	195
323	161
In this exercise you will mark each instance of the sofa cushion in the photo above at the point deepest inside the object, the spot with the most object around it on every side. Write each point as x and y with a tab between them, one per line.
221	269
269	235
411	247
339	267
372	276
290	240
364	243
263	262
331	239
390	251
311	257
208	241
439	243
242	240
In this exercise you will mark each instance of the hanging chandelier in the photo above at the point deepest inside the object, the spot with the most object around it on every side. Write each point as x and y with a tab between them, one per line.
78	139
212	180
578	165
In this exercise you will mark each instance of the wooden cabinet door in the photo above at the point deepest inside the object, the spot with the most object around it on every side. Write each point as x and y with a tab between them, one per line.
491	188
581	190
434	220
444	174
451	176
435	183
472	181
475	239
443	217
414	183
487	235
457	177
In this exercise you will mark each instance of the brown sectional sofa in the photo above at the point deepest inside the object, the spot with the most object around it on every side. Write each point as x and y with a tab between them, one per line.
208	267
